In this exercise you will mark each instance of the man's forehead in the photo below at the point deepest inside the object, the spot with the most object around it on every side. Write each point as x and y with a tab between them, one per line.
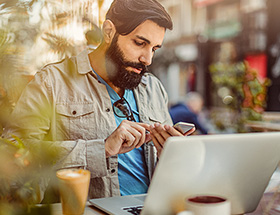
149	31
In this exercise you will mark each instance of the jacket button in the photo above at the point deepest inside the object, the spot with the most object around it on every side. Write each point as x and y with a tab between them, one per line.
113	170
107	109
74	112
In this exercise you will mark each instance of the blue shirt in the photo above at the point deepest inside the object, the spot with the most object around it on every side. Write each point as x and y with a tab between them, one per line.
132	169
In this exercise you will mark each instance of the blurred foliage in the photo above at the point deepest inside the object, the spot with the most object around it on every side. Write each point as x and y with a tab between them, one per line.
37	32
241	92
22	166
32	34
58	43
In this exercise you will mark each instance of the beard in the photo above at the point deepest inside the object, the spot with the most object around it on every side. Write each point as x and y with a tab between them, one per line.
116	68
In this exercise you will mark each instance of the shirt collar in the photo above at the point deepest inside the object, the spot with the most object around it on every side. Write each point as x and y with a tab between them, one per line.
99	78
113	95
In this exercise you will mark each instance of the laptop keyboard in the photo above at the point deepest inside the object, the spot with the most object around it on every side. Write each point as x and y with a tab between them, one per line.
134	210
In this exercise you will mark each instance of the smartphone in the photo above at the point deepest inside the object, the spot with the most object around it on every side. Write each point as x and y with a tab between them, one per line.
183	127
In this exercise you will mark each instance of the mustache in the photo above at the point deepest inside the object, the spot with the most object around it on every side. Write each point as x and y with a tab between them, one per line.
139	66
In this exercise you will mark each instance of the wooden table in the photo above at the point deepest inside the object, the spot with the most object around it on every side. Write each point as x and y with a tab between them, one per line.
89	210
269	195
263	126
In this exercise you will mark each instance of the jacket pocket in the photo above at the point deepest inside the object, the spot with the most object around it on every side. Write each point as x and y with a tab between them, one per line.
157	115
74	110
74	120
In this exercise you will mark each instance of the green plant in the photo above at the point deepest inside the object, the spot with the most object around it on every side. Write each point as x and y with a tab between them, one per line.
37	32
22	166
240	91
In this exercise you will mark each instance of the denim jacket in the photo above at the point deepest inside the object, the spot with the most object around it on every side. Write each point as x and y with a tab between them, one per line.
65	105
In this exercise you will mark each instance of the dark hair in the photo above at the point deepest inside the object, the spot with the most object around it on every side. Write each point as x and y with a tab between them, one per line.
128	14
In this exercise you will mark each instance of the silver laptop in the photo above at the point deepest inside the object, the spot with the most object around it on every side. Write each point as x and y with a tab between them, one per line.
236	166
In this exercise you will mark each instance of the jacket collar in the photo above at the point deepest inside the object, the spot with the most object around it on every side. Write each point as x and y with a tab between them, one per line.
83	63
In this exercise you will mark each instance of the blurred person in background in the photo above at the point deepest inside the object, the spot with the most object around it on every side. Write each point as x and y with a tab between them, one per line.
98	106
188	111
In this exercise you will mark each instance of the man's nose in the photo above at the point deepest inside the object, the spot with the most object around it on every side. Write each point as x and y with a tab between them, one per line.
146	58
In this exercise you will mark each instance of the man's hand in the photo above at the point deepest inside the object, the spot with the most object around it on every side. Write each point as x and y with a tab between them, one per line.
127	136
160	133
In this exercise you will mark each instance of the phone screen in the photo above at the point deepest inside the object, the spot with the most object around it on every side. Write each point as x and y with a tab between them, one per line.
184	127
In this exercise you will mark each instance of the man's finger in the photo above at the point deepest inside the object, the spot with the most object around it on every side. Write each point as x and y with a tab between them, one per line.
172	131
142	132
162	131
146	126
156	143
156	134
128	139
139	135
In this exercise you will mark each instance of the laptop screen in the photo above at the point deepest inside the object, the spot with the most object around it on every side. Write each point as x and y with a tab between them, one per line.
235	166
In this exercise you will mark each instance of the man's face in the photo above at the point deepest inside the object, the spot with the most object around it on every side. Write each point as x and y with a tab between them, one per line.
128	56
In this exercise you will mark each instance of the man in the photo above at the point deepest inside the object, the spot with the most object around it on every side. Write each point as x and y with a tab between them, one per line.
188	111
75	103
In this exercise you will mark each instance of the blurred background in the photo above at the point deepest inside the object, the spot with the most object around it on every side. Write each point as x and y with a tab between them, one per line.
228	51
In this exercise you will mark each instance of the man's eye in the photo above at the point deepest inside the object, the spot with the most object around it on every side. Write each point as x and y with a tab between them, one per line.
138	43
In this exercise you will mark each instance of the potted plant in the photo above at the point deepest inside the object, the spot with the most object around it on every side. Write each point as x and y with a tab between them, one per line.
240	92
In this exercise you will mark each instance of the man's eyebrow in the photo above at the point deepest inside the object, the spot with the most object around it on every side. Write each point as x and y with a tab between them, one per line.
146	40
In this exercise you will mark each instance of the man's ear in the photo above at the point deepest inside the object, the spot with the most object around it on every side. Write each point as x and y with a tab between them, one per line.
108	30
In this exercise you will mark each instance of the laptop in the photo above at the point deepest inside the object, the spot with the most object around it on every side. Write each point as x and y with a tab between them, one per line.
236	166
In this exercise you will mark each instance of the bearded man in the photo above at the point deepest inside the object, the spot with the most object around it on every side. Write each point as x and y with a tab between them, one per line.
106	112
